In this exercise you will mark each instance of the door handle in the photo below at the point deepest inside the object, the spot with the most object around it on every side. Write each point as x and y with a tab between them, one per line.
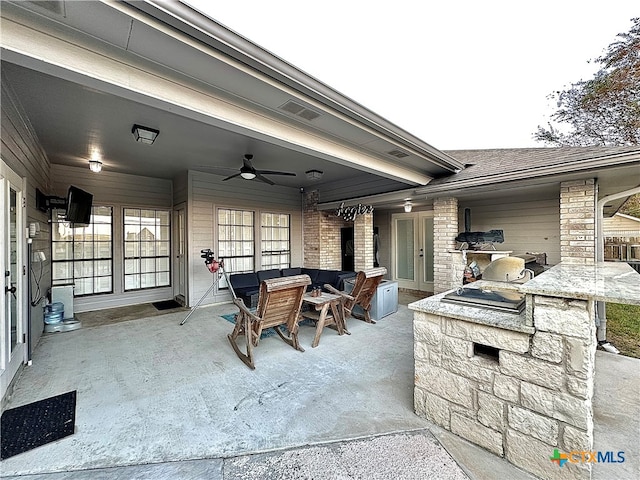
10	290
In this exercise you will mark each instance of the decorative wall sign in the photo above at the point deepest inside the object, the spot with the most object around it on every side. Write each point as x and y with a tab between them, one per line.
350	213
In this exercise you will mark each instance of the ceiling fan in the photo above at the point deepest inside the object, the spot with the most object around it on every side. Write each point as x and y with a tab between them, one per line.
249	172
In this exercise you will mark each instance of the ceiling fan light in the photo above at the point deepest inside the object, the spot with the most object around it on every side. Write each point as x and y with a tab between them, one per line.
248	175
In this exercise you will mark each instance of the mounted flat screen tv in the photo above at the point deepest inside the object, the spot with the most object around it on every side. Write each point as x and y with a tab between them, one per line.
78	206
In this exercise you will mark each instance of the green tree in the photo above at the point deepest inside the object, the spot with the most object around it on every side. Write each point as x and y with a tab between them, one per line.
606	109
631	206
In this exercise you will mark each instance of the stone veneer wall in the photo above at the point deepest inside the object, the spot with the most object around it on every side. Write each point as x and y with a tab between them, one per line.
533	396
577	221
445	230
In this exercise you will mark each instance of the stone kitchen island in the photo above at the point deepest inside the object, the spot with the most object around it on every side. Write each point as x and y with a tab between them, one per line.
520	384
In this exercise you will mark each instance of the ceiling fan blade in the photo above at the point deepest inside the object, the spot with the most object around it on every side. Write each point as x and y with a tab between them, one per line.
264	179
273	172
232	176
216	168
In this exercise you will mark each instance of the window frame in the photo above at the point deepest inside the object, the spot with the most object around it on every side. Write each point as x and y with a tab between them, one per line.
265	237
76	264
140	258
232	261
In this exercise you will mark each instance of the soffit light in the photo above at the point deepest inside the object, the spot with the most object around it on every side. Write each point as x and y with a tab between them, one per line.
314	174
144	135
408	206
95	165
95	160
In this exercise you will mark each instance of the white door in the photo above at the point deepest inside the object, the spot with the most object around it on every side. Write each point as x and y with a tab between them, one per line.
412	237
12	304
180	248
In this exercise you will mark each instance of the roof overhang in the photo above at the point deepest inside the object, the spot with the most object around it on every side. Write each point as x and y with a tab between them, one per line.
209	32
167	56
614	173
534	175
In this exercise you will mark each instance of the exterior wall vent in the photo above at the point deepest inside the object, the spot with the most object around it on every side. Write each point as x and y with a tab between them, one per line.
299	110
398	153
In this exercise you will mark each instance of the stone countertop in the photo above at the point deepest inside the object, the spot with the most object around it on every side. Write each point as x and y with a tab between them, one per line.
605	281
481	315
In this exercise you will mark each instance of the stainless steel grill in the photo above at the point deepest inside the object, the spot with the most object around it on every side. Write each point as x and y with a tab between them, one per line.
513	302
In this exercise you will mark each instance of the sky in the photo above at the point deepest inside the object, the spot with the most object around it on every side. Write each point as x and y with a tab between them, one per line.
459	75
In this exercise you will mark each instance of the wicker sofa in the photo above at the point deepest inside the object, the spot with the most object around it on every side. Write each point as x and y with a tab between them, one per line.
247	285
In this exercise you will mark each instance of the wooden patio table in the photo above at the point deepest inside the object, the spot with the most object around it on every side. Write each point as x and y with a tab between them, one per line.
327	311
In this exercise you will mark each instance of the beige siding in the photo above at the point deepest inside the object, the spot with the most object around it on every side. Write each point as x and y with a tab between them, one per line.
112	188
620	226
529	224
119	191
208	193
22	152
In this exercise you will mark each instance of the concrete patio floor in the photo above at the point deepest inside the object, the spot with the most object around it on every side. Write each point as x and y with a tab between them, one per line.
160	400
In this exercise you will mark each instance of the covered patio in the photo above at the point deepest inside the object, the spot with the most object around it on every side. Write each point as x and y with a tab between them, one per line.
152	392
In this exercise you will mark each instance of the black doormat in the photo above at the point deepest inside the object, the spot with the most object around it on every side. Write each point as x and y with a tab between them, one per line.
166	304
36	424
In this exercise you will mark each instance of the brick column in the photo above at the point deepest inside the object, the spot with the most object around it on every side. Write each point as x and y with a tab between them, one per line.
311	224
445	229
363	241
577	221
330	247
321	235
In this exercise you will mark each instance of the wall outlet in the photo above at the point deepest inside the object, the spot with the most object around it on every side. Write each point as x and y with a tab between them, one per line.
34	229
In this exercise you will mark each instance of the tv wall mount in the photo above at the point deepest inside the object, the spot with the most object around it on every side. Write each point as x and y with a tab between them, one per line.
45	203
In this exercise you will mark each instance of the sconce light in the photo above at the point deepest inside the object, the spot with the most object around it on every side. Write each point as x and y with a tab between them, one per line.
408	206
144	134
314	174
95	165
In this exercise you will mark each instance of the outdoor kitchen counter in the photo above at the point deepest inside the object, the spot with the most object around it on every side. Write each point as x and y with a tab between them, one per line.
605	281
484	316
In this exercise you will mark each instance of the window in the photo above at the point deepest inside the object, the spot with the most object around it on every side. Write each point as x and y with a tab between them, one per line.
147	248
83	255
275	239
236	240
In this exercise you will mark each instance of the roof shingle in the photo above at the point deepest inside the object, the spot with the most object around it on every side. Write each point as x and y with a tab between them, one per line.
482	164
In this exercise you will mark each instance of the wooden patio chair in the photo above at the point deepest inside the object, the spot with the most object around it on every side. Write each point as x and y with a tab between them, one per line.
365	287
279	303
